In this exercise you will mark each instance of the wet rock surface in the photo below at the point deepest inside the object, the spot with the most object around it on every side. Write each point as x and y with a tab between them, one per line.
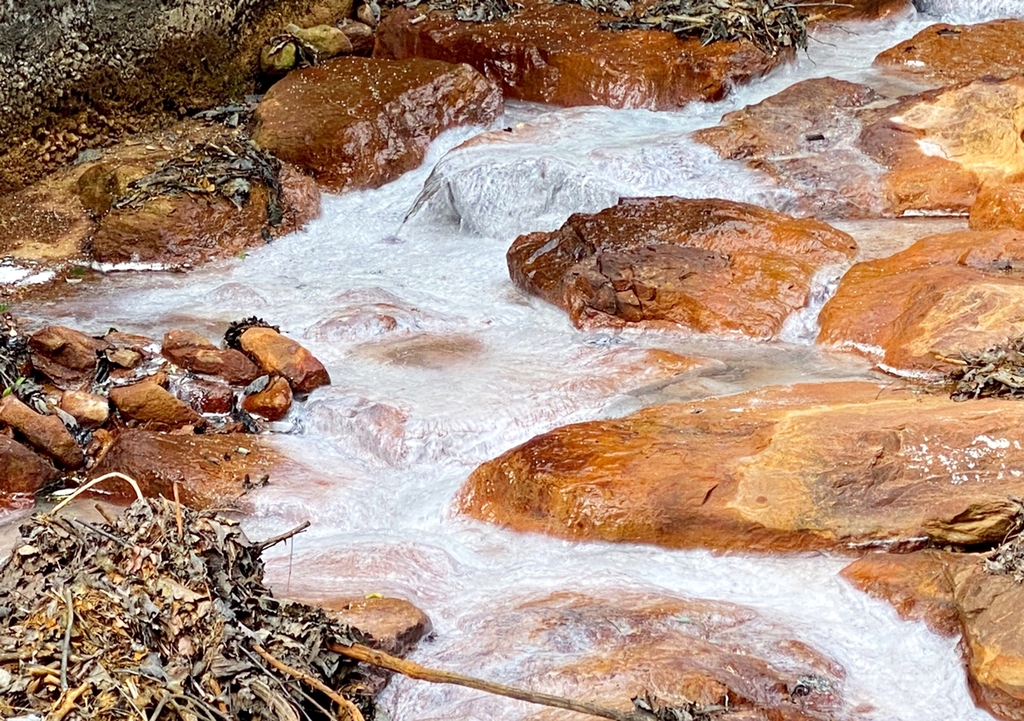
46	434
945	54
277	354
916	311
558	54
710	266
22	471
151	406
357	123
193	351
806	466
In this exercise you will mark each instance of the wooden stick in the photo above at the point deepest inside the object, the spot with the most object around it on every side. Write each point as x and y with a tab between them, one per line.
177	513
353	710
82	489
69	702
264	545
66	647
422	673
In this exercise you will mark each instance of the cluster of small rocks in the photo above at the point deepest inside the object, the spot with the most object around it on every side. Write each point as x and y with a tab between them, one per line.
80	396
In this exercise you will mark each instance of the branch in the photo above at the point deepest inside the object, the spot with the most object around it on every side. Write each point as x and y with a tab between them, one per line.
353	711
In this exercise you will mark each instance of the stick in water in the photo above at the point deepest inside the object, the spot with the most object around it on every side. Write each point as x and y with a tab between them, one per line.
414	670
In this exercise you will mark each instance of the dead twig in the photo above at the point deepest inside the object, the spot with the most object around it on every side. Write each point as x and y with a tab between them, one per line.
264	545
422	673
353	711
85	487
66	646
68	704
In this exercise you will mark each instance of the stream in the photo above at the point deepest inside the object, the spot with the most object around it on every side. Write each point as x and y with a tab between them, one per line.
475	367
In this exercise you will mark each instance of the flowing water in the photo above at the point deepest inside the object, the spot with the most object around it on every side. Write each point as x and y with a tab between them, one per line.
473	367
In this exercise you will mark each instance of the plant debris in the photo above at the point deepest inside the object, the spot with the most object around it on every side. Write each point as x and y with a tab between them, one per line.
233	335
1008	557
162	613
994	373
473	11
233	115
771	25
227	170
687	712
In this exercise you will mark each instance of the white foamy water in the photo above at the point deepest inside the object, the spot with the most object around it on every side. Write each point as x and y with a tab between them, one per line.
439	363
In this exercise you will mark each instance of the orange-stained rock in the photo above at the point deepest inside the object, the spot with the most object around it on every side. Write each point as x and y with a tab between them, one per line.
186	230
711	266
282	356
857	9
393	625
805	138
847	152
943	295
210	470
918	585
998	206
152	407
558	54
22	472
46	434
193	351
359	123
945	54
65	356
618	644
43	222
273	402
89	409
805	466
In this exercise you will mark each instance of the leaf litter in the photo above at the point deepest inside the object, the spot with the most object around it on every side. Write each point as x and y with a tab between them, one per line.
997	372
162	613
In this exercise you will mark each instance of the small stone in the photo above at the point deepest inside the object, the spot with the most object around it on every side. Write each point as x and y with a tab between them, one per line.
205	396
196	353
44	433
273	402
88	409
327	40
283	356
280	60
360	35
153	407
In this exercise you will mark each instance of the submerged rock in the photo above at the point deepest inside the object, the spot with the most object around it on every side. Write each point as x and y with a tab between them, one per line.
558	54
359	123
210	470
945	53
711	266
916	311
798	467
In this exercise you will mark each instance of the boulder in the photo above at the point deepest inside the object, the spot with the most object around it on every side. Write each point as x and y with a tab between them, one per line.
65	356
46	434
359	123
210	470
185	230
798	467
90	410
273	402
557	53
915	312
998	205
945	54
282	356
711	266
194	352
22	472
846	151
153	407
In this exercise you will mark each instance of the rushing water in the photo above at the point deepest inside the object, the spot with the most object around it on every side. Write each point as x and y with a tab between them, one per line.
474	367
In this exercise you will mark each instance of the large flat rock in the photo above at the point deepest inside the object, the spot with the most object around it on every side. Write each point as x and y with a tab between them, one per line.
711	266
797	467
914	311
558	54
359	122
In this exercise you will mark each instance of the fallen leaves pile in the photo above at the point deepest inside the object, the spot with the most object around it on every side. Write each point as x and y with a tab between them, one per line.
994	373
162	613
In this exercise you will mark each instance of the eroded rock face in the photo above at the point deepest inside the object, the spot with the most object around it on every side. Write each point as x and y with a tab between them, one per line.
945	54
848	152
806	466
914	310
712	266
186	230
282	356
558	54
998	206
210	470
359	123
